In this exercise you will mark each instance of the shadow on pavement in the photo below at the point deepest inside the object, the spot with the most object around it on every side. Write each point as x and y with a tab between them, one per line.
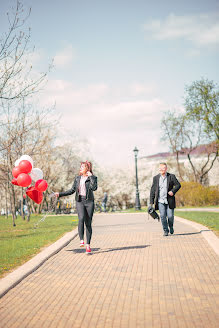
190	233
99	250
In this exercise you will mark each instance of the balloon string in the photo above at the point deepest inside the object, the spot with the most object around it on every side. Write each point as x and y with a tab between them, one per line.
51	208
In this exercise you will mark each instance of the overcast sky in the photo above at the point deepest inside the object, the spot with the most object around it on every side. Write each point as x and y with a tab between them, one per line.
119	64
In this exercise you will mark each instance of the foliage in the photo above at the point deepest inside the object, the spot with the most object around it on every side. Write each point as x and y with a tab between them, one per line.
19	244
195	194
196	129
202	104
120	187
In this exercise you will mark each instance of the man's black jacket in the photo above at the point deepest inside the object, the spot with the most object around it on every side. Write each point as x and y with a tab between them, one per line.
90	184
172	185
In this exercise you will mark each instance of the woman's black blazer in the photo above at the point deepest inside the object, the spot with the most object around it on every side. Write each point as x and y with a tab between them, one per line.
90	184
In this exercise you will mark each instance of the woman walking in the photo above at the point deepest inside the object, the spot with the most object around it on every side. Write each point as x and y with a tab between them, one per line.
84	185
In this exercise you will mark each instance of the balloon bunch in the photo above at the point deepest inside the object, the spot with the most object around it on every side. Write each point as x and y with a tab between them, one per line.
24	174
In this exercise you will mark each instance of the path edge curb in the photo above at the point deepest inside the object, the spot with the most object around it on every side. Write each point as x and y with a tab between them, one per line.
206	232
15	277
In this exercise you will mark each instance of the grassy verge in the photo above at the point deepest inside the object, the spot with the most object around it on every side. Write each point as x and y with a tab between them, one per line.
208	219
133	210
18	244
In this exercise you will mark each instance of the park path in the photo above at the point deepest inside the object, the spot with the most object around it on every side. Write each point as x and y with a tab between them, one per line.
134	278
199	209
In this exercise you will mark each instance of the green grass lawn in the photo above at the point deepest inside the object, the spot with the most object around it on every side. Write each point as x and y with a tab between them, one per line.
18	244
208	219
133	210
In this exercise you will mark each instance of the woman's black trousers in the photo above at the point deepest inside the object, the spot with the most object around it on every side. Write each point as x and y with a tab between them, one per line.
85	209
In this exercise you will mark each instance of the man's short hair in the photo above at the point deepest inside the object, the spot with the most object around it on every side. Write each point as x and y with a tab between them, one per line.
163	164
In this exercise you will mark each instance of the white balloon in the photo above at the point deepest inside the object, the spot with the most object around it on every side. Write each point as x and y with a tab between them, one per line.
26	158
36	174
17	162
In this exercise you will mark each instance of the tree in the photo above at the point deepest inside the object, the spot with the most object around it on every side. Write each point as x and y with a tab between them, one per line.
196	129
20	122
202	104
25	132
15	68
173	128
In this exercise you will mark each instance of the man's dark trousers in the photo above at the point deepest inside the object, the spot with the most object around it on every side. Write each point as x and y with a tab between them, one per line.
166	212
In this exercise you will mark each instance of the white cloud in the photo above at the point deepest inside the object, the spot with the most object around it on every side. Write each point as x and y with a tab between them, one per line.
200	29
67	95
193	53
97	102
137	89
65	57
111	125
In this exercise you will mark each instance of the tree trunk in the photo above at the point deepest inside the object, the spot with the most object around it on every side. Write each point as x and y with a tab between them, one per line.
13	207
193	168
178	166
6	201
28	210
39	209
33	210
22	205
203	174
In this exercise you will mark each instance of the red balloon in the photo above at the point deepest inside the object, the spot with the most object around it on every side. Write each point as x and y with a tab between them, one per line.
24	180
14	182
35	195
25	166
16	171
41	185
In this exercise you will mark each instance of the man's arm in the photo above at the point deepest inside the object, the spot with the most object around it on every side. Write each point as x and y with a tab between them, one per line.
176	186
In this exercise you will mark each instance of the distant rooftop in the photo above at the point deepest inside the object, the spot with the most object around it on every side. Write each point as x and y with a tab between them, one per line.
200	150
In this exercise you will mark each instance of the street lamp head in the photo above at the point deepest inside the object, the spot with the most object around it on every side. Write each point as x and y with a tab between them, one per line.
136	151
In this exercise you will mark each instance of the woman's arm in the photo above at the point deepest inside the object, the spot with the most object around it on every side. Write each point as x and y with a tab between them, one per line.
70	191
93	182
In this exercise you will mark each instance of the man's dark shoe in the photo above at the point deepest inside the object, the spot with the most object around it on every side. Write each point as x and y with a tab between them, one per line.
171	231
165	233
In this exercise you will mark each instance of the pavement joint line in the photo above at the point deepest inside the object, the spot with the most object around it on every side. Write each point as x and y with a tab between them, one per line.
15	277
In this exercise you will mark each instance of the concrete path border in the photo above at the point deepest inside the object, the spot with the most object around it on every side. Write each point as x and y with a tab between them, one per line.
13	278
211	238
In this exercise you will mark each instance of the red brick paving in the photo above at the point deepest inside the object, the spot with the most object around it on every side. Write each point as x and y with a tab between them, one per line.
135	277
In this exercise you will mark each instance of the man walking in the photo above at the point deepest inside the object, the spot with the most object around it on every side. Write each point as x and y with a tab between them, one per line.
163	190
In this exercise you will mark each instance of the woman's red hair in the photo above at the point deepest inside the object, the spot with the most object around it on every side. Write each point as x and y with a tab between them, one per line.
88	165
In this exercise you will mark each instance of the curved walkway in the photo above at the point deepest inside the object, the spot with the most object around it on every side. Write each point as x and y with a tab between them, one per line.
134	278
199	209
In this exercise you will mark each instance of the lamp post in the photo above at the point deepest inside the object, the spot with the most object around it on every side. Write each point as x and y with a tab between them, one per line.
137	199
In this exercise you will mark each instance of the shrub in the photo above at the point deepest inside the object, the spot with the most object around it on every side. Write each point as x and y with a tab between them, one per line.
195	194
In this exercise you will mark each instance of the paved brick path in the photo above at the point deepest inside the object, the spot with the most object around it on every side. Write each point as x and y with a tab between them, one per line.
134	278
